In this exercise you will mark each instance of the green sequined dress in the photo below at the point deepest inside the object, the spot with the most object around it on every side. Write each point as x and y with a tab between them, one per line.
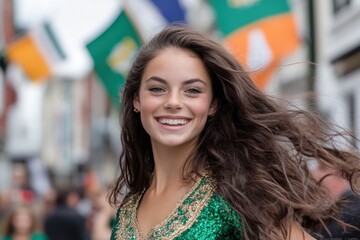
201	214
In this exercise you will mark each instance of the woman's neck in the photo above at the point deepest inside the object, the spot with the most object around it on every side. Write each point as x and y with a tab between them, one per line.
169	168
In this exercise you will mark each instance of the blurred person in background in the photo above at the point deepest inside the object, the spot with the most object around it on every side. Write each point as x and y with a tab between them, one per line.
22	224
103	216
64	221
48	202
19	191
348	202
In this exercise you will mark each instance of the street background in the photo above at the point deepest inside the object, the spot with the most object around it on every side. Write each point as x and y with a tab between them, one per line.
63	64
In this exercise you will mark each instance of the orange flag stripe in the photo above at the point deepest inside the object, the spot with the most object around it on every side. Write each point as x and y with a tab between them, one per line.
281	35
27	54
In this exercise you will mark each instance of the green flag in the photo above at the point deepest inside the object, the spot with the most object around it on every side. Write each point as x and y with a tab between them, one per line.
260	34
112	52
232	15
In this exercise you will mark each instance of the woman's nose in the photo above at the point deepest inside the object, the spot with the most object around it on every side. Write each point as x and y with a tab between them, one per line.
173	101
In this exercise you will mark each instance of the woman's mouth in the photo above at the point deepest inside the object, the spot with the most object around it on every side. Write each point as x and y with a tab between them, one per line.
173	122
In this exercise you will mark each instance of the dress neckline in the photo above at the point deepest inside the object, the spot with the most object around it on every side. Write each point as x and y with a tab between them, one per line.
181	218
171	214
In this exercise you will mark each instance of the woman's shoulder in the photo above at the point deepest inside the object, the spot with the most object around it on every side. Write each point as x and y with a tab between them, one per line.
223	209
216	220
124	213
219	204
128	204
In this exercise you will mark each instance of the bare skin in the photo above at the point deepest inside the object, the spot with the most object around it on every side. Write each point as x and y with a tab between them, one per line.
297	233
156	206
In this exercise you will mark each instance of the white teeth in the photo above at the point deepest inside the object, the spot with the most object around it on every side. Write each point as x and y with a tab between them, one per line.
173	121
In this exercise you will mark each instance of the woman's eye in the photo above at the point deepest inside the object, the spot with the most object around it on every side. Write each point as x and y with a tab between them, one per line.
156	89
193	90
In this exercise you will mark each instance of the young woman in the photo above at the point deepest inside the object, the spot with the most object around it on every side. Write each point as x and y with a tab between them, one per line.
207	155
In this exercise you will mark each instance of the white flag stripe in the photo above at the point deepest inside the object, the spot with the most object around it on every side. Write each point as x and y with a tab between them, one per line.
45	45
260	53
76	23
85	19
149	22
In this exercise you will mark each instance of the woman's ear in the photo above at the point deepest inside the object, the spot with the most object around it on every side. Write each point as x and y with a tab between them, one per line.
213	107
136	103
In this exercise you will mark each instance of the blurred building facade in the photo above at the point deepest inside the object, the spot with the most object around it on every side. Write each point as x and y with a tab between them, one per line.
338	61
327	63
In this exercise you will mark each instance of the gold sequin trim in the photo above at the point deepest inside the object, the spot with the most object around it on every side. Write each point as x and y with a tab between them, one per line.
190	207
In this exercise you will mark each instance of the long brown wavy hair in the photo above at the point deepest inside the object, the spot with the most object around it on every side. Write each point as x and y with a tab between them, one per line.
255	146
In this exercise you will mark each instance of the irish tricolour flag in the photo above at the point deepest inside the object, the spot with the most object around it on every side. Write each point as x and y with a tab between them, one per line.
260	33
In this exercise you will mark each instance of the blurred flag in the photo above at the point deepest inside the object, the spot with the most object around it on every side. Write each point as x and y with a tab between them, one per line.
149	22
260	33
58	48
36	52
171	10
112	52
75	23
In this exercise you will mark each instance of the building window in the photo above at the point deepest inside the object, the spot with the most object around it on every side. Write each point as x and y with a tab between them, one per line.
347	62
340	4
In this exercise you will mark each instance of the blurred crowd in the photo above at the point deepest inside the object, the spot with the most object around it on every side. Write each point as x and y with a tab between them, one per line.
64	211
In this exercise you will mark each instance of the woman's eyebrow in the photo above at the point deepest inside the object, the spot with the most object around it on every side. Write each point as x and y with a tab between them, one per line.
190	81
194	80
155	78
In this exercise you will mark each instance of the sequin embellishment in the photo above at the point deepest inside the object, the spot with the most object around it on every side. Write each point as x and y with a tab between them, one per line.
180	219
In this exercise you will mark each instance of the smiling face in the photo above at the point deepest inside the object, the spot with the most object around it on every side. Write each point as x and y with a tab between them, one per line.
175	98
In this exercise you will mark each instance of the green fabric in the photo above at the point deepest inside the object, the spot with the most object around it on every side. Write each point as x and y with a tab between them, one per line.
34	236
215	221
